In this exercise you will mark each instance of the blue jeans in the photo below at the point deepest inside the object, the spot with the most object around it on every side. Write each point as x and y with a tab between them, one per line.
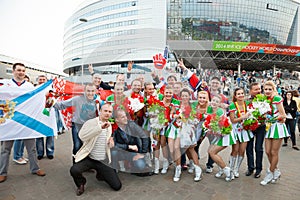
119	155
77	143
59	123
40	146
18	149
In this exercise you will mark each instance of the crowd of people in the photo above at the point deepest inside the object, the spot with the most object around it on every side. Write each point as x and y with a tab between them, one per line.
145	128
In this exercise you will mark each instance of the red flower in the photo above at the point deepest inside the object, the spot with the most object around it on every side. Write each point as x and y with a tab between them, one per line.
138	96
186	111
224	122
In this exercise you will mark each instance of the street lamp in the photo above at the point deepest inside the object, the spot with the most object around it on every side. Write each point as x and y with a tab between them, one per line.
83	20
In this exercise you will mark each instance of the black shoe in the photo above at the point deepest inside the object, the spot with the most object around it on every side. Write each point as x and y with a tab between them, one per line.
50	157
284	145
80	190
248	173
257	175
39	157
143	174
296	148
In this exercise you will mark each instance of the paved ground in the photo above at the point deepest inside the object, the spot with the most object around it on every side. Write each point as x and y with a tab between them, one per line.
58	184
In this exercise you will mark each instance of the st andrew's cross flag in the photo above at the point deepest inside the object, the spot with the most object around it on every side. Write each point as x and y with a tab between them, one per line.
21	113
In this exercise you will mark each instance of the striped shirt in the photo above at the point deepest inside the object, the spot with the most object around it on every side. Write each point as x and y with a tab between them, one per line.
99	150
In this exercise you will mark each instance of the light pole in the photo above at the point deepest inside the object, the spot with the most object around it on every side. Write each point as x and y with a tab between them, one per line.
83	20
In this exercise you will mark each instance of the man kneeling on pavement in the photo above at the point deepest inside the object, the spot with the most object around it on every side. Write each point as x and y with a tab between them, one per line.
95	151
131	146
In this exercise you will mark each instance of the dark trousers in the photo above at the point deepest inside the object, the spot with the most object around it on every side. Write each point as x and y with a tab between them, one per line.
104	172
290	124
259	135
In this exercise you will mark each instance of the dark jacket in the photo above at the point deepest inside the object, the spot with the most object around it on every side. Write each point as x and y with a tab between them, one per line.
291	108
133	135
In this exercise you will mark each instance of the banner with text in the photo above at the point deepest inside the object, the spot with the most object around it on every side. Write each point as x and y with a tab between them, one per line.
256	48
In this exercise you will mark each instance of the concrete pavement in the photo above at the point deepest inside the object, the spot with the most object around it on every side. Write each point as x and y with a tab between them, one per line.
58	184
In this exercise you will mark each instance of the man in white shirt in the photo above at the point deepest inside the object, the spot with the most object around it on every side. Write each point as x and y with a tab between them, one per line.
95	151
18	80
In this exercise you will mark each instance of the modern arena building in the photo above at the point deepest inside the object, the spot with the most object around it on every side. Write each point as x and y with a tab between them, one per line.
224	34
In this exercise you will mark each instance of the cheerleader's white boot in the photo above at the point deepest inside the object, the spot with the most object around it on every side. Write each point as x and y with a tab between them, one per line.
268	178
156	165
177	174
227	172
237	167
165	166
232	166
277	175
191	167
219	173
198	173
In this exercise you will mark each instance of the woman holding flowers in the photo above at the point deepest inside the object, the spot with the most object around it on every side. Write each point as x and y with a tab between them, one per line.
239	115
276	131
170	131
219	133
201	107
188	119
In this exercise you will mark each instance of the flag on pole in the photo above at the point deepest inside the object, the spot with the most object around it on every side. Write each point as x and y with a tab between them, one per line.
22	115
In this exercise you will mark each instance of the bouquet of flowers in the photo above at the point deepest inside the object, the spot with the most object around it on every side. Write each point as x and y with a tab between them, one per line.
217	124
259	107
156	112
250	124
188	115
135	104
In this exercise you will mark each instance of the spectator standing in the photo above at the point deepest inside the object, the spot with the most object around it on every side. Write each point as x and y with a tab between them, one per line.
40	145
18	81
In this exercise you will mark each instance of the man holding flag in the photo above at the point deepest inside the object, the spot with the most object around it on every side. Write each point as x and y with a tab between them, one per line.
16	124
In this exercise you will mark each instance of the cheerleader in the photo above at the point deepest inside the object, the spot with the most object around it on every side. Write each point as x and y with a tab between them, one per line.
219	142
189	119
238	113
275	132
201	107
170	133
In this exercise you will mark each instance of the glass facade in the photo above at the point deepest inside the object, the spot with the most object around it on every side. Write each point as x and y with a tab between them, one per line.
233	20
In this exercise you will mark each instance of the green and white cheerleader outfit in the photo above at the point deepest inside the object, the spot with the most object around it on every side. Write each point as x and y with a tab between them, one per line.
199	127
277	130
171	131
240	133
218	139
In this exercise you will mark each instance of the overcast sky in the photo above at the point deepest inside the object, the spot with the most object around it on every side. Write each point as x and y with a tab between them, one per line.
32	30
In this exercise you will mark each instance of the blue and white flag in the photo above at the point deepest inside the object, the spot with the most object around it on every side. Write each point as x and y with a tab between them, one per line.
21	113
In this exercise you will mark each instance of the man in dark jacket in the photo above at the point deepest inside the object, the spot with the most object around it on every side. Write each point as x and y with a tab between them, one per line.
131	143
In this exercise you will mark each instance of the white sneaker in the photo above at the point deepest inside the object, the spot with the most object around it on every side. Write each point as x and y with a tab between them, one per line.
156	166
227	173
276	176
165	166
198	173
191	167
219	173
268	178
236	174
177	174
209	170
20	161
